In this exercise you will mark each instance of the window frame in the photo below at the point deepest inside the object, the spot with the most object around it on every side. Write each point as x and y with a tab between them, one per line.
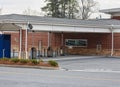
86	42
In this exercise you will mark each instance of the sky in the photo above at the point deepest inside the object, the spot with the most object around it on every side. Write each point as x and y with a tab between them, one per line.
18	6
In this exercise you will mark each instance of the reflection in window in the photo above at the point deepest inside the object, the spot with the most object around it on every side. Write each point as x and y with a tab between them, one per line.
76	42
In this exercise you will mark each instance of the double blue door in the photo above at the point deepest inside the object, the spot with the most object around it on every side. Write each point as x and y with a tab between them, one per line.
5	46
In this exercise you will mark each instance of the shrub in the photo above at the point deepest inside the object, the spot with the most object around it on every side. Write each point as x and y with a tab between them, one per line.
41	60
5	59
53	63
34	61
15	60
23	61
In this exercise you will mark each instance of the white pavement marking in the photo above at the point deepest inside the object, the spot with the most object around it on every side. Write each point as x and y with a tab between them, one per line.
92	70
71	57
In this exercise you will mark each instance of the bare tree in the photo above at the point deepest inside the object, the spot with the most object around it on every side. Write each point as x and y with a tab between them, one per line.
29	11
87	7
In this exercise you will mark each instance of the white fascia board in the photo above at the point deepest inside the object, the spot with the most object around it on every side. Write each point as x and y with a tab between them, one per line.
69	29
92	30
65	28
116	14
102	30
42	28
116	31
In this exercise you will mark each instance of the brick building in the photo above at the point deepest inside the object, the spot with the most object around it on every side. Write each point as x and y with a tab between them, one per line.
54	36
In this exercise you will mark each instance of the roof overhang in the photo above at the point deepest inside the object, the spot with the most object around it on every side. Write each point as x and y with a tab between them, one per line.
9	27
18	22
111	11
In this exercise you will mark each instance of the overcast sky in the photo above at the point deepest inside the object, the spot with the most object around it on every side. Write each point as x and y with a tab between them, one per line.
18	6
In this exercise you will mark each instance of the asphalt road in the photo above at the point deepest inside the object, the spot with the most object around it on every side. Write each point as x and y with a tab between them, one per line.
91	63
77	72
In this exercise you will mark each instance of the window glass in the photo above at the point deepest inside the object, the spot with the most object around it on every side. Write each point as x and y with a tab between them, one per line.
76	42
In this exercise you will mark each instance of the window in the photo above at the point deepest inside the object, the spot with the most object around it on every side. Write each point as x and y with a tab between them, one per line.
76	42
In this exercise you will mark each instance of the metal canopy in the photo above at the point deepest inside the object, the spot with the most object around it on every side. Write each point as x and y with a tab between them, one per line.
9	27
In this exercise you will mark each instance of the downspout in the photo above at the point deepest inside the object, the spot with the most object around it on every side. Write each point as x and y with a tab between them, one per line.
112	48
49	50
112	43
20	43
26	46
62	40
62	49
48	39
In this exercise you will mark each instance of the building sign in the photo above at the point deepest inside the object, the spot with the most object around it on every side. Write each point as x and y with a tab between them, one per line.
76	42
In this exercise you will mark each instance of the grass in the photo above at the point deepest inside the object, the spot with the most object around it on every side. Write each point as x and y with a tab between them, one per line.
15	60
27	61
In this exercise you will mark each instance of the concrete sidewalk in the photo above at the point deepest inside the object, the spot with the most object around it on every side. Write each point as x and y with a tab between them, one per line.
70	57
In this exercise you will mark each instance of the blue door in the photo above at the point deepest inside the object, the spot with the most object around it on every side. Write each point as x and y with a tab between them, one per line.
5	46
1	45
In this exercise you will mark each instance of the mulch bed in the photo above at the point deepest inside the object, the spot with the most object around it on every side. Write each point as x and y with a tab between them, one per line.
29	63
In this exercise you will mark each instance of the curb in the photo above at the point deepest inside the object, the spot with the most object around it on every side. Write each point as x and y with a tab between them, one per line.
72	57
26	66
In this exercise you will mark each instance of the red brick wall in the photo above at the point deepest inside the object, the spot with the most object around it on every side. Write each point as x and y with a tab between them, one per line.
117	41
23	40
116	17
93	39
35	37
56	38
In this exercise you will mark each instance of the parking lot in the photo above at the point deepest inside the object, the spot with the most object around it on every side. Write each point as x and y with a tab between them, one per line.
75	71
88	63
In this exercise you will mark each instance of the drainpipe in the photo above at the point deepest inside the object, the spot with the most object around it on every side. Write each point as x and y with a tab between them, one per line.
20	43
26	46
61	49
3	53
48	39
62	40
112	48
112	44
49	51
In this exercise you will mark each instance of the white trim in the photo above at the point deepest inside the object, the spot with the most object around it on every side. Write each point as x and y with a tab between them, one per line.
47	28
26	41
48	39
112	47
20	49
